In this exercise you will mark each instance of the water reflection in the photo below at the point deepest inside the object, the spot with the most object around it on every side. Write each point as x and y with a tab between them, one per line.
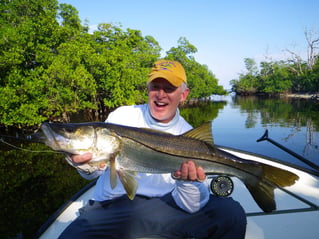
293	123
34	183
202	112
279	112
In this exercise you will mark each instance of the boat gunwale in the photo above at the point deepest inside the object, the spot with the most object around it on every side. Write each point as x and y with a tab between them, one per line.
292	165
62	208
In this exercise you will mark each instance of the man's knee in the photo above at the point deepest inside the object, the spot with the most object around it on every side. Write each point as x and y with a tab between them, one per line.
227	210
227	205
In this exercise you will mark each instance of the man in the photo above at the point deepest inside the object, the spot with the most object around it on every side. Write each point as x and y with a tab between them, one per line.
170	206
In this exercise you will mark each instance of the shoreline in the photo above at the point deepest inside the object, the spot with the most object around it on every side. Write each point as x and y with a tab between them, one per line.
302	96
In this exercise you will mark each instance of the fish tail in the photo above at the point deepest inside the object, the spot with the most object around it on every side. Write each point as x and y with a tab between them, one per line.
263	190
278	176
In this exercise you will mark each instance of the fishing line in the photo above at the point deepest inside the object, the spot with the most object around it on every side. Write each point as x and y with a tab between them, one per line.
28	150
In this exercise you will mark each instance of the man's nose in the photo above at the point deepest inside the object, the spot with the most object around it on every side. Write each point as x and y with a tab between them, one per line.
161	93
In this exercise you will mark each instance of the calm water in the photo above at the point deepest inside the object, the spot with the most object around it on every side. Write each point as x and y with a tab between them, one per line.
34	184
293	123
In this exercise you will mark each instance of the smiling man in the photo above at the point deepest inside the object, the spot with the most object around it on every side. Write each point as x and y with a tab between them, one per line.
166	89
176	205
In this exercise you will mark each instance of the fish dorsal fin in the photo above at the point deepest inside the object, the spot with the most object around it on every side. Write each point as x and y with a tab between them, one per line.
203	132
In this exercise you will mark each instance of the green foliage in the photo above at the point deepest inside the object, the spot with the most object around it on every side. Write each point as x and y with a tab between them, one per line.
27	42
277	77
69	84
278	81
312	77
127	57
50	66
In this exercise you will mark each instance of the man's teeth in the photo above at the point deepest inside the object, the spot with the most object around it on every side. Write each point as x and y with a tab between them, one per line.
160	103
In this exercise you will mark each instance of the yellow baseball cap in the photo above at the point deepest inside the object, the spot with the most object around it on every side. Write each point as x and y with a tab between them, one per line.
172	71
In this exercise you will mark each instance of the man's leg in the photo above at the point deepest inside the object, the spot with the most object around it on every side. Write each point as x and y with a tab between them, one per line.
220	218
107	219
123	218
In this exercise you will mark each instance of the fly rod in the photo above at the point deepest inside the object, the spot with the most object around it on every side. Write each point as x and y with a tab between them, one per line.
306	161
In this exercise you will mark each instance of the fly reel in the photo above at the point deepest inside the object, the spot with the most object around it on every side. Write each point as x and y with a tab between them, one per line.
222	186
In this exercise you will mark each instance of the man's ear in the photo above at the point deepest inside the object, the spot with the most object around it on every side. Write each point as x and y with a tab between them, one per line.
184	95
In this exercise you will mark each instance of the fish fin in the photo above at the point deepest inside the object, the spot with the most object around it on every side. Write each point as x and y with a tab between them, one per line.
128	179
203	132
113	174
271	178
279	177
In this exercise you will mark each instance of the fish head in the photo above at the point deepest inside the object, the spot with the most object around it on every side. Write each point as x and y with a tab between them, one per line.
80	138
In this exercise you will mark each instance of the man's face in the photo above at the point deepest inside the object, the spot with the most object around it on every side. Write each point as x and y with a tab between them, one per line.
164	98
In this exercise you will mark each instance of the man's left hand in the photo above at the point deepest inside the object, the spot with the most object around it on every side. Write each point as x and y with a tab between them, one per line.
189	172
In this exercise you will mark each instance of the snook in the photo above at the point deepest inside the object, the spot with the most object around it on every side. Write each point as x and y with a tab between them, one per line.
127	150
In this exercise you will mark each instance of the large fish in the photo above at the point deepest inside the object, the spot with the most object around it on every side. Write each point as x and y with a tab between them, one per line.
127	150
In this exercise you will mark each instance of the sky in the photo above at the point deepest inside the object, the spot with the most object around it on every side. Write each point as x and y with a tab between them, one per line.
225	32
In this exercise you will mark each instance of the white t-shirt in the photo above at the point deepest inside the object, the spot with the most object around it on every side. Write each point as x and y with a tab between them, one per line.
190	196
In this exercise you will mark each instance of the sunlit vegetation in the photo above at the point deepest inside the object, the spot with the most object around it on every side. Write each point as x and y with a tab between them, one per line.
51	65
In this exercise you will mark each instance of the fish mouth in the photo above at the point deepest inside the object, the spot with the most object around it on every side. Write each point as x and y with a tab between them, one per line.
45	135
37	137
50	136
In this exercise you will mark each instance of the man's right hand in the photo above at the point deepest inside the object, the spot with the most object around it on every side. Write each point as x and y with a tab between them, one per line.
81	162
81	158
